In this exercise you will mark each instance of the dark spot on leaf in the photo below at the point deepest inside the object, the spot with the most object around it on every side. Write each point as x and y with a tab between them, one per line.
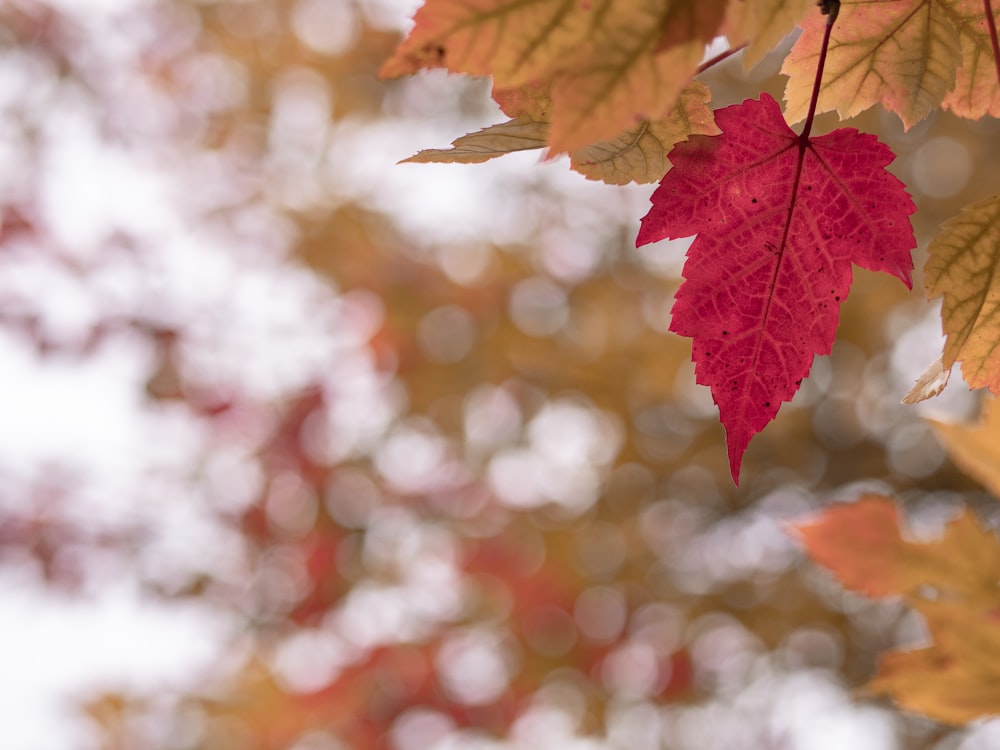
435	52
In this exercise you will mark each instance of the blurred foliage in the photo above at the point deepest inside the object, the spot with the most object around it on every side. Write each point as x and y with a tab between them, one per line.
484	504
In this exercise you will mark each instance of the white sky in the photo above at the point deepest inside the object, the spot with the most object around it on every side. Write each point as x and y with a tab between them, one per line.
56	649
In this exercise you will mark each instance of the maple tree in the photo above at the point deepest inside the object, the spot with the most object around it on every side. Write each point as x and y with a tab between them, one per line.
764	279
778	217
484	502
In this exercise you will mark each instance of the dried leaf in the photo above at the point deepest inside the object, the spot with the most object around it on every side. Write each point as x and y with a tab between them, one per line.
930	384
521	134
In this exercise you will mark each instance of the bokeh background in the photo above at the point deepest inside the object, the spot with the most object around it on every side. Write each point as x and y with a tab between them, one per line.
305	450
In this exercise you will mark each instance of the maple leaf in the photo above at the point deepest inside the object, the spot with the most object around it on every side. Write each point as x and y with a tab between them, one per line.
513	40
976	449
519	134
902	53
976	92
517	41
862	545
530	100
639	155
610	88
951	581
859	542
607	65
964	267
761	24
954	681
779	221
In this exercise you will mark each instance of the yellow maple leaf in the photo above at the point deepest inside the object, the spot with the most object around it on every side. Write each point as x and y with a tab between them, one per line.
637	155
964	266
952	581
955	681
976	450
976	91
640	155
604	95
761	24
902	53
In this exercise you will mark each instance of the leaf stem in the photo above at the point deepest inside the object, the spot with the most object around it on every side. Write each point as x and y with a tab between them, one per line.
991	23
722	56
830	8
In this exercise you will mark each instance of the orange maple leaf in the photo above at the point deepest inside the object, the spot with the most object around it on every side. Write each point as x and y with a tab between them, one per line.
608	65
952	581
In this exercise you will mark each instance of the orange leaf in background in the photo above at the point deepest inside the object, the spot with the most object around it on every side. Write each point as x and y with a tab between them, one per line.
859	543
957	680
976	449
952	581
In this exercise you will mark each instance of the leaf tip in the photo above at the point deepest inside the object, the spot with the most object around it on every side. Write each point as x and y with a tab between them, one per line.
651	229
931	383
737	443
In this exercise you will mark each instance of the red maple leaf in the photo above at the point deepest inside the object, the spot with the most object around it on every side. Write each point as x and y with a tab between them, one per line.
779	220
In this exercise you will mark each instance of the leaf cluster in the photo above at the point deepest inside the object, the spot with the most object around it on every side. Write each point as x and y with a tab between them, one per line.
780	218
